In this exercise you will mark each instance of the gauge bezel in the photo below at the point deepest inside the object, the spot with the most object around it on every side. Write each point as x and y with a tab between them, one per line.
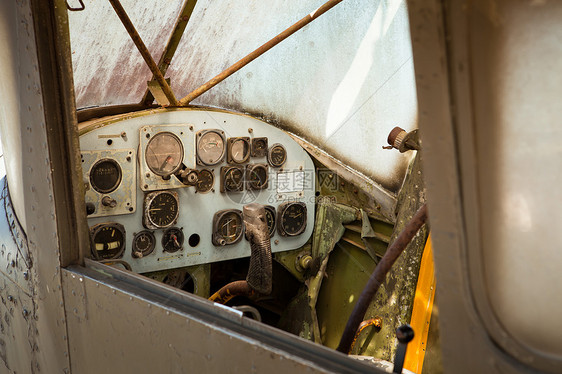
259	152
145	252
149	199
210	172
273	227
216	236
94	230
179	163
200	136
281	212
91	178
229	146
253	184
180	238
224	171
270	151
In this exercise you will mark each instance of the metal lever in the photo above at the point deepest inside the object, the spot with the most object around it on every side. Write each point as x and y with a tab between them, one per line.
404	334
260	275
260	271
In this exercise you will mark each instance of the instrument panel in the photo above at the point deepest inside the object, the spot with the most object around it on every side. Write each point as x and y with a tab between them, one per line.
166	188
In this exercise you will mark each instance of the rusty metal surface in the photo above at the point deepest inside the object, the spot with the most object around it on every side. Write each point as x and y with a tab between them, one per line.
342	82
107	67
341	87
143	51
375	281
259	51
166	330
172	45
380	201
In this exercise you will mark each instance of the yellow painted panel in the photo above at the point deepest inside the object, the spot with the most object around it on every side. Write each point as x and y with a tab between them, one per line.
421	314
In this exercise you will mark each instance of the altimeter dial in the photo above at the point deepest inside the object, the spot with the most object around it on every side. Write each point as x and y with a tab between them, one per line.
164	154
161	209
291	218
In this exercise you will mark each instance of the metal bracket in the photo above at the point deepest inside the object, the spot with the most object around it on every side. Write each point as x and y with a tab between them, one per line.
82	7
158	93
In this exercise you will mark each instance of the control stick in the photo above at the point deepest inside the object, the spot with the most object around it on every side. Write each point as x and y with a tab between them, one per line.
259	278
404	334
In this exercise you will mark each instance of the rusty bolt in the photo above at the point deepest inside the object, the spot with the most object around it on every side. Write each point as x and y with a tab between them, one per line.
342	184
355	190
276	241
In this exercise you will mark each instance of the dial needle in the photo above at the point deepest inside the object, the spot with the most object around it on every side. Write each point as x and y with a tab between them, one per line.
168	159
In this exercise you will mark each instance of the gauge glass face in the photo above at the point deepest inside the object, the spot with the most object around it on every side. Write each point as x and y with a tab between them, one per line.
270	219
205	181
257	176
163	209
233	179
164	154
240	150
105	176
277	155
210	148
108	241
143	243
293	219
259	147
229	228
172	240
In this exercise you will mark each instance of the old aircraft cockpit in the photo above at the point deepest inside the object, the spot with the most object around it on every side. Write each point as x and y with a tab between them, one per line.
166	189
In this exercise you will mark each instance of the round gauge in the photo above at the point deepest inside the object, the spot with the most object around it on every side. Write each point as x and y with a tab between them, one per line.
238	150
205	181
210	147
164	154
291	220
172	240
228	227
257	176
161	209
270	219
143	244
105	175
277	155
259	147
107	241
232	179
